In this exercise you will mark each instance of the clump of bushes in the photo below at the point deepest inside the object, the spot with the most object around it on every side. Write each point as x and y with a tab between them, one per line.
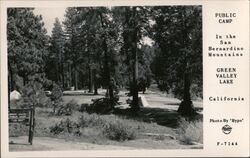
67	109
190	132
66	126
91	120
119	131
112	128
56	97
83	107
101	106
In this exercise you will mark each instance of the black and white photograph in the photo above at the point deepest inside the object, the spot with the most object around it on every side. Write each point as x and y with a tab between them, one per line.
105	78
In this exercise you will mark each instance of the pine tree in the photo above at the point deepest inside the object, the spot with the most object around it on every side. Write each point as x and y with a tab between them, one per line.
55	64
71	46
27	46
133	21
178	64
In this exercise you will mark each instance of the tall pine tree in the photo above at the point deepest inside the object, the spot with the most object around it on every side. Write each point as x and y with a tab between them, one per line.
27	46
55	63
178	64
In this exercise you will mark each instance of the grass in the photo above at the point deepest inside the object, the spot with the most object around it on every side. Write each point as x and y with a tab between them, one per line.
111	127
120	128
119	131
92	127
190	132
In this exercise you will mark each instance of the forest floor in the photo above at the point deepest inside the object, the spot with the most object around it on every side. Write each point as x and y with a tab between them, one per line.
159	127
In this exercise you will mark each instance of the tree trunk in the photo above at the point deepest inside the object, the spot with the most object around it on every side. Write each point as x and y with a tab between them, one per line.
106	65
75	77
12	83
186	106
95	83
111	92
57	72
62	73
135	103
90	85
70	76
90	81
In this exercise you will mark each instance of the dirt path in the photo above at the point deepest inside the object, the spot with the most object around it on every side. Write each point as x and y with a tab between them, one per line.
54	144
49	144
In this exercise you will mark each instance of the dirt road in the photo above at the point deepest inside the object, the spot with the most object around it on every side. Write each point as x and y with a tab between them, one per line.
53	144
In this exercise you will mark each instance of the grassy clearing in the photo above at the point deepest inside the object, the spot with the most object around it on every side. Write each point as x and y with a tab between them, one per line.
92	128
121	128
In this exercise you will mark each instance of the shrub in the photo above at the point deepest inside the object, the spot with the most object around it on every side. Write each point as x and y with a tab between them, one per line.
56	97
190	131
91	120
119	131
57	128
101	106
84	107
66	126
34	96
110	127
67	109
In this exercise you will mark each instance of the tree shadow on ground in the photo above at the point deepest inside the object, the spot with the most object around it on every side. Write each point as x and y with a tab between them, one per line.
164	117
173	104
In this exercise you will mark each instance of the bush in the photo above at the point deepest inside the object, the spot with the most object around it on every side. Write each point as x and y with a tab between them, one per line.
190	131
119	131
56	97
84	107
34	96
66	126
101	106
110	127
57	128
91	120
67	109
